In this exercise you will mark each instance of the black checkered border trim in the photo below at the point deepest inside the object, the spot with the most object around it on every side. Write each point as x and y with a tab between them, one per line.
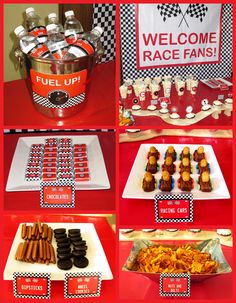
201	71
104	15
171	196
46	103
170	294
32	275
82	274
57	183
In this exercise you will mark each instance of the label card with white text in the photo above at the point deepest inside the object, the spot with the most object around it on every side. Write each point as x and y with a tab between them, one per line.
175	285
57	194
32	285
82	285
173	208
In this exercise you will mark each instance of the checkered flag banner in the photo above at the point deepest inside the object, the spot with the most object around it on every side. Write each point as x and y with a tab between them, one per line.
197	10
169	10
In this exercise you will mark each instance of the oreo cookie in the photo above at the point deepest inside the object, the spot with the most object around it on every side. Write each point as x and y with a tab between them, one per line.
63	240
73	231
64	256
64	264
79	243
60	236
79	253
81	262
59	231
76	239
63	250
63	245
80	247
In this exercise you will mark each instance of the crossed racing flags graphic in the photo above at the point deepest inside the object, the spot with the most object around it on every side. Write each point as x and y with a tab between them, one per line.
198	11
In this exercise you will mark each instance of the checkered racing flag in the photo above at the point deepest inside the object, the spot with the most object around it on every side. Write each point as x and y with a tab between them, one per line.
169	10
197	10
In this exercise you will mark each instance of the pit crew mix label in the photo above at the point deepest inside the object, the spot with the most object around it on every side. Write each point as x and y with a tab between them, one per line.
174	285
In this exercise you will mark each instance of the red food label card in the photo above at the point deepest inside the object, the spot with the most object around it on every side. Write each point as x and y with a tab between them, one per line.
57	194
174	207
32	285
175	285
82	284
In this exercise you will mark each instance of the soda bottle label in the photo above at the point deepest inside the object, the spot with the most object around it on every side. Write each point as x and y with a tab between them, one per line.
40	50
59	54
39	32
58	91
71	36
85	45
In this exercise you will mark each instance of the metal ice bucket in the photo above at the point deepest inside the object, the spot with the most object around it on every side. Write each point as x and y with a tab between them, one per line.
58	87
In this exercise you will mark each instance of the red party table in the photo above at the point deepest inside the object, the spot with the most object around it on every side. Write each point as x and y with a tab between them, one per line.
181	102
104	231
93	200
99	108
137	287
211	212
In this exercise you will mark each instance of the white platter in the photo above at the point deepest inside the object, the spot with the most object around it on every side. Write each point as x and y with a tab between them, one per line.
133	188
205	81
98	174
95	254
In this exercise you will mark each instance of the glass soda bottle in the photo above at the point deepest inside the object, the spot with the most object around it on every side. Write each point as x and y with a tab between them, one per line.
53	19
33	25
87	43
30	45
72	27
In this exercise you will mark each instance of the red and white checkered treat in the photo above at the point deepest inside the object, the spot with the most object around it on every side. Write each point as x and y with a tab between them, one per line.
69	175
49	177
51	141
80	165
50	155
33	170
81	177
33	176
52	170
50	165
50	149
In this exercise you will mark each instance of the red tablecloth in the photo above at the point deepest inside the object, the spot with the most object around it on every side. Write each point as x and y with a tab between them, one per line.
99	109
206	212
203	92
90	201
105	234
136	287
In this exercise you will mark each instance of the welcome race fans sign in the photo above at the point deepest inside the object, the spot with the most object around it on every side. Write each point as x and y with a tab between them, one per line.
177	34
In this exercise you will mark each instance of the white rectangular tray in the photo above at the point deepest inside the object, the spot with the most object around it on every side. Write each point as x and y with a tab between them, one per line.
95	254
98	174
205	81
133	188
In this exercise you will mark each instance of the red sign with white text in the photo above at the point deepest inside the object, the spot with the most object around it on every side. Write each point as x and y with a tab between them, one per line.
57	195
177	34
83	285
174	209
32	286
175	285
